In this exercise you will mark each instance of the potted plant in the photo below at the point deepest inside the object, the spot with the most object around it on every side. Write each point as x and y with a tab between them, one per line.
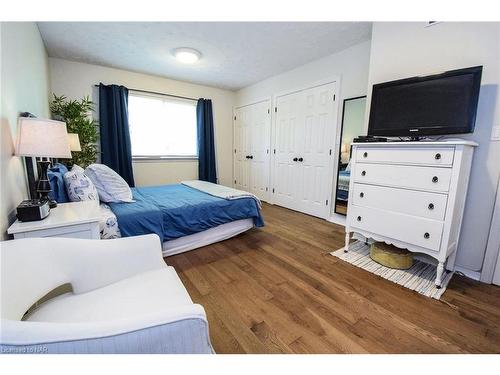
77	116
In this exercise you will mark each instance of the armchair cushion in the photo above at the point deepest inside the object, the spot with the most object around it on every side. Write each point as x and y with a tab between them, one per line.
146	293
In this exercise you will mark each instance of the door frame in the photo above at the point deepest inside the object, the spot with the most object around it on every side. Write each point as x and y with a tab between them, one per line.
247	104
332	142
492	255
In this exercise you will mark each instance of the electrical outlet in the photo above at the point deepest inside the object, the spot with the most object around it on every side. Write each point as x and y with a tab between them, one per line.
495	133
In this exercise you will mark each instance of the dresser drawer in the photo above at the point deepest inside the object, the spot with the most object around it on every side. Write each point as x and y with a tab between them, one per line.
439	156
404	176
411	202
417	231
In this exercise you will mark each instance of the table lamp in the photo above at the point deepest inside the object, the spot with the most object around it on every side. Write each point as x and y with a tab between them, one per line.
344	153
74	142
44	139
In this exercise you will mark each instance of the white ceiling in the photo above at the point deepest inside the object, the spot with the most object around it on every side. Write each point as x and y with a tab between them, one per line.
235	54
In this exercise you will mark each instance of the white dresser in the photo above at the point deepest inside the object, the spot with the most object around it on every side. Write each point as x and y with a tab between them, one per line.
411	195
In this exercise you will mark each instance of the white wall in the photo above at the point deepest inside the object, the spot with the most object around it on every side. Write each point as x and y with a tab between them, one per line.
76	80
351	65
24	88
400	50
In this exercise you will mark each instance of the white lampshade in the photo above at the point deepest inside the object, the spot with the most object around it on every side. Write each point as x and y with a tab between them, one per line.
74	142
42	138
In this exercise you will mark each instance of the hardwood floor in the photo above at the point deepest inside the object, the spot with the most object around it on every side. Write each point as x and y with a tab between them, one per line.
277	290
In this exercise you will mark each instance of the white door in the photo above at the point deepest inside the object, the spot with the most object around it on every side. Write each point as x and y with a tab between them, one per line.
288	134
315	158
252	148
242	141
260	130
304	137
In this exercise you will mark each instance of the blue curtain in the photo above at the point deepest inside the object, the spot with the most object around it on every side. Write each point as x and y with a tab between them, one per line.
206	141
116	150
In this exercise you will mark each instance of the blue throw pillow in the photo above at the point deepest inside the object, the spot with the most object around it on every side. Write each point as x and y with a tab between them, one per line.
56	173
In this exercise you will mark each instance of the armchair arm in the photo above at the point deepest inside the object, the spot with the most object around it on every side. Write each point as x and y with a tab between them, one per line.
182	329
93	264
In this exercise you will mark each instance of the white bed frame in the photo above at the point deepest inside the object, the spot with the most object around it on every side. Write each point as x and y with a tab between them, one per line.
207	237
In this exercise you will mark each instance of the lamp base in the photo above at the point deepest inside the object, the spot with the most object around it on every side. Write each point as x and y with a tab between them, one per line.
52	203
43	186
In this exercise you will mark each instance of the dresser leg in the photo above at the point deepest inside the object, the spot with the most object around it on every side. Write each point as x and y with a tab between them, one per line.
347	238
439	274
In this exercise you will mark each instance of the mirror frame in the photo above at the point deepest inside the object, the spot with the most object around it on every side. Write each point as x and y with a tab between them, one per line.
340	152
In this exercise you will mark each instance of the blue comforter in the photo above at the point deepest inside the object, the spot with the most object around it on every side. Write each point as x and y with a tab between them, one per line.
173	211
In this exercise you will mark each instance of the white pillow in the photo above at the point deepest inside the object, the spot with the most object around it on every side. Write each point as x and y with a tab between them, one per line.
79	186
110	186
77	168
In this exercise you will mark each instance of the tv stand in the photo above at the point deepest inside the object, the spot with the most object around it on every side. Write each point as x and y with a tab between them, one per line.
411	195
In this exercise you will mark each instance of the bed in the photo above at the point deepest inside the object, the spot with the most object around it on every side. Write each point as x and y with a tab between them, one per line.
343	185
183	217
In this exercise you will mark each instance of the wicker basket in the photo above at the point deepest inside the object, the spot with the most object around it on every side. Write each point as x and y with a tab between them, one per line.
391	256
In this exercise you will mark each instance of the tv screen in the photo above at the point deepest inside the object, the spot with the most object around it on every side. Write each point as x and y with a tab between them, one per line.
439	104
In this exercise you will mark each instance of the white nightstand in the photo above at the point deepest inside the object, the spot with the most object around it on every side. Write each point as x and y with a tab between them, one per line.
71	220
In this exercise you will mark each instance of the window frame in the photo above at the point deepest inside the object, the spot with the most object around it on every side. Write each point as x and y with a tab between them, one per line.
156	158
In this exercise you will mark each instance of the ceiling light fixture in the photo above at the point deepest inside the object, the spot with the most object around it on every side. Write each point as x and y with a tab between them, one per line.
187	55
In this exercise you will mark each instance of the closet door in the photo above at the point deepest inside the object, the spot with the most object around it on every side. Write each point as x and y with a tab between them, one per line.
260	130
242	142
315	156
288	135
252	142
304	137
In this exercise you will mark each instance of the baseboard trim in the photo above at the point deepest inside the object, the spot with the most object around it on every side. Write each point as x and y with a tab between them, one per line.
337	219
475	275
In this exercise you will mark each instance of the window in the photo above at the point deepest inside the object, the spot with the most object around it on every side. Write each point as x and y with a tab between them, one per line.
162	127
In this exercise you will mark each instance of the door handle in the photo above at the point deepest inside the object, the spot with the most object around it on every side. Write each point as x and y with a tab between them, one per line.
250	157
295	159
301	159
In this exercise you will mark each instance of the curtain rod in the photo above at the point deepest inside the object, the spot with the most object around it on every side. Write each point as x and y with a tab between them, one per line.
160	93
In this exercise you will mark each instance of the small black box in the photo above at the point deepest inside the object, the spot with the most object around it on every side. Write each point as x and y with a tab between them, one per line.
33	210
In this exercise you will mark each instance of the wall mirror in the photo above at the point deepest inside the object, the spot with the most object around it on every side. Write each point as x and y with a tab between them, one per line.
353	119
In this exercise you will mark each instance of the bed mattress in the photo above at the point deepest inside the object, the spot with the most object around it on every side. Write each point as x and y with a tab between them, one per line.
174	211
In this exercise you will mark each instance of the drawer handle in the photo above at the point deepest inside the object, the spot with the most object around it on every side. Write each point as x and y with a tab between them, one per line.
295	159
361	194
301	159
363	173
426	235
435	179
359	218
431	206
437	156
365	155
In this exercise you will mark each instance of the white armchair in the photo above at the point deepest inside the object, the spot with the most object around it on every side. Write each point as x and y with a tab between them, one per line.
125	299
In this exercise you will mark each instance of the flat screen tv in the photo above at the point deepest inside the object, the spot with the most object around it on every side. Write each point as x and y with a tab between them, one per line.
438	104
